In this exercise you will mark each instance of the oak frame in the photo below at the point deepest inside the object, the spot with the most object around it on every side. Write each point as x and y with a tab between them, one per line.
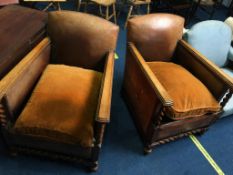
149	117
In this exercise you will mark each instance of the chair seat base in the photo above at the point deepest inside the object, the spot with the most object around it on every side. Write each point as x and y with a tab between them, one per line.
148	148
92	166
27	145
175	137
166	132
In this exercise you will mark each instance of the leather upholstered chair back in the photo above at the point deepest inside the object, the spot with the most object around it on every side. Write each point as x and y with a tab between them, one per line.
156	35
80	39
8	2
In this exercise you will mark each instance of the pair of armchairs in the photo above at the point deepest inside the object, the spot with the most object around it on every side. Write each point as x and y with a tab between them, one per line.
56	101
171	89
213	39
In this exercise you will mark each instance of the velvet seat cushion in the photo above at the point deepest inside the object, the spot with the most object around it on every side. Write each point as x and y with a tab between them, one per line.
190	97
62	106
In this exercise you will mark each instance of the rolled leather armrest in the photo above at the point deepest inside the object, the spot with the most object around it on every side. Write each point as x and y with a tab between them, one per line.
105	96
18	83
154	82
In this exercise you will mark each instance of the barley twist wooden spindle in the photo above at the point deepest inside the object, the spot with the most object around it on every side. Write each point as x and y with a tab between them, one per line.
161	115
226	98
3	120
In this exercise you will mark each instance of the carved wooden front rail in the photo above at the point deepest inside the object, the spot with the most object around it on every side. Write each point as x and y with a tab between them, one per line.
226	98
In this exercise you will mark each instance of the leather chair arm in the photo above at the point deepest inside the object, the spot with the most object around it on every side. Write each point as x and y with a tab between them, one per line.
17	84
104	104
154	82
206	71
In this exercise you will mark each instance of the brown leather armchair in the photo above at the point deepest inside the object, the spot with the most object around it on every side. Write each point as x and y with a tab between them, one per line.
171	90
56	101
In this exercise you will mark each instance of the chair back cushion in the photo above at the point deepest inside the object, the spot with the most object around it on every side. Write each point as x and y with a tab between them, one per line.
80	39
155	35
8	2
212	39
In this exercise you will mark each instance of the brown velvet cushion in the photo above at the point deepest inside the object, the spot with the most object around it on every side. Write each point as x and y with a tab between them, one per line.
191	98
62	106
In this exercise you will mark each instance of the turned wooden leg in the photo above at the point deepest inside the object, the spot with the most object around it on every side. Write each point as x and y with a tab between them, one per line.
148	8
212	11
147	150
79	5
85	6
107	13
100	11
114	13
94	167
58	6
48	6
129	15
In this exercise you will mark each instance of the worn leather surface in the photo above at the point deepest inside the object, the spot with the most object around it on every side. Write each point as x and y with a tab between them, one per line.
7	2
81	39
155	35
62	111
21	29
104	2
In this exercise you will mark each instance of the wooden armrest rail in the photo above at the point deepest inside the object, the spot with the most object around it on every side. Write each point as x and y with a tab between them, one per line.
105	96
16	85
208	64
156	85
10	78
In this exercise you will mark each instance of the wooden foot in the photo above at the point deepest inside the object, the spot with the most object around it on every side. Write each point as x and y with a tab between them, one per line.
94	167
147	150
129	15
201	132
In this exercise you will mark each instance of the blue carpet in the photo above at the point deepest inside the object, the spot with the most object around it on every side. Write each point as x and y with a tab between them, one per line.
122	151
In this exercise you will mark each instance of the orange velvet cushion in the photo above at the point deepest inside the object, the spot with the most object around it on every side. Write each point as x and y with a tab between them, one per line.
190	96
62	106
